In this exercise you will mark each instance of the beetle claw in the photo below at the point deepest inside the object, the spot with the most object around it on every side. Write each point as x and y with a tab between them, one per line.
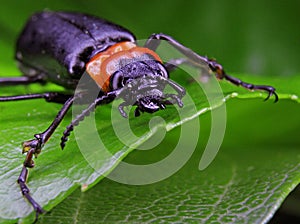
271	93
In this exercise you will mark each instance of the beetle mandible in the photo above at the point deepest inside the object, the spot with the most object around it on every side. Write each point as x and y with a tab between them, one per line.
60	47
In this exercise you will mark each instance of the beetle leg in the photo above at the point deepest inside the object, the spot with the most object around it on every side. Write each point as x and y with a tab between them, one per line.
173	63
33	147
24	188
49	97
220	74
42	138
154	41
22	80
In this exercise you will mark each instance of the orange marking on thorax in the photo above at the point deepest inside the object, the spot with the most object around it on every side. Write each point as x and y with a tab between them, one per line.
104	64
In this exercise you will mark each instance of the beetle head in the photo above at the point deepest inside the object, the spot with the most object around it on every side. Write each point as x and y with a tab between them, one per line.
142	84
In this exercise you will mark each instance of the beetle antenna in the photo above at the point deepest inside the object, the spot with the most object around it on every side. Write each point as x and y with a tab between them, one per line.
75	122
101	100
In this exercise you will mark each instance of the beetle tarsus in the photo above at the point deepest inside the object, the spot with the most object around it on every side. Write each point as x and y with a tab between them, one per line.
272	92
221	74
26	193
28	163
269	89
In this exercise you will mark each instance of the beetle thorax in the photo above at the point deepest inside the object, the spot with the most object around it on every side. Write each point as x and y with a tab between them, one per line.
103	65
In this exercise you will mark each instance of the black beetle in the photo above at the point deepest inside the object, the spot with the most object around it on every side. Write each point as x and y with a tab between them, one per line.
60	47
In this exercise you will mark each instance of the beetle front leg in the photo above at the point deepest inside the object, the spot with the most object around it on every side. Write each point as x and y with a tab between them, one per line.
154	41
28	163
33	148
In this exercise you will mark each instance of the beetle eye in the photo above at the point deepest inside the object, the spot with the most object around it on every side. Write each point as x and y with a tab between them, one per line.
117	80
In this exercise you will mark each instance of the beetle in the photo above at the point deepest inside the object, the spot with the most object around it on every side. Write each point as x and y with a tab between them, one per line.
60	47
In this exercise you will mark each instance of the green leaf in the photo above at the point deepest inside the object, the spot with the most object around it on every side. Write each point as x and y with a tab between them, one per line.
57	173
256	168
242	187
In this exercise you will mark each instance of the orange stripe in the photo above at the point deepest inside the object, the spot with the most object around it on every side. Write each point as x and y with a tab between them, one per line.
104	64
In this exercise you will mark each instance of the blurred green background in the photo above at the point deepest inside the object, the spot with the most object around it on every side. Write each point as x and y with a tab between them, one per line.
256	37
259	37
